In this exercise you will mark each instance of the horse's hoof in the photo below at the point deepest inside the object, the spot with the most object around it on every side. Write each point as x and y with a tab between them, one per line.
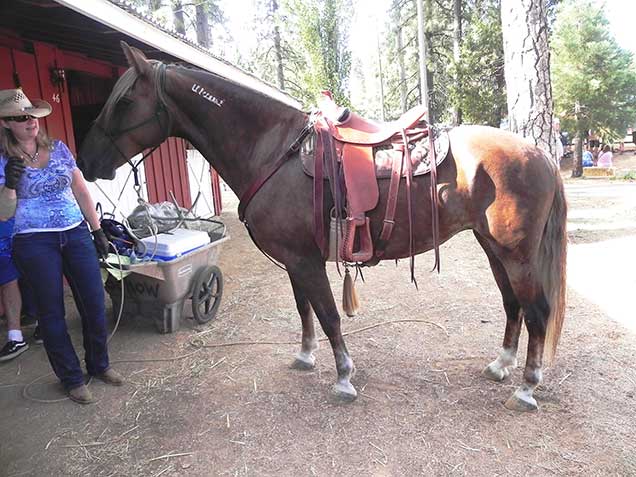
304	362
495	373
345	391
521	403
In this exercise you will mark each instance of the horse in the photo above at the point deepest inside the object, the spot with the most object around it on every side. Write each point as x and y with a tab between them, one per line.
502	187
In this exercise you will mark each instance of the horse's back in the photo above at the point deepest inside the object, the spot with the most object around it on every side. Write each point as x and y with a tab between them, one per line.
508	159
510	181
490	147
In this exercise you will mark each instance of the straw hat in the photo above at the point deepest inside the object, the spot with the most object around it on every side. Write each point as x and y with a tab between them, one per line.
13	102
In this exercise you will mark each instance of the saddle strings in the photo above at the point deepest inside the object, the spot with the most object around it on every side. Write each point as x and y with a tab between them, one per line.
409	205
434	197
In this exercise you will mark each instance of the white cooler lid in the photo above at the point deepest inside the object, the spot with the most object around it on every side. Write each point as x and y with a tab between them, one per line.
175	243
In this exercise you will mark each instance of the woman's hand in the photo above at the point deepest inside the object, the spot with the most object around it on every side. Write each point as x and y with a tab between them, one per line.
101	242
13	171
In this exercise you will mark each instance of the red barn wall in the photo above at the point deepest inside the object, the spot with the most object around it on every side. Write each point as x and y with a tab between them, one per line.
166	169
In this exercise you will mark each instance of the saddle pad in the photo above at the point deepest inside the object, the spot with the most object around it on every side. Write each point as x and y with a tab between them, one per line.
420	159
383	155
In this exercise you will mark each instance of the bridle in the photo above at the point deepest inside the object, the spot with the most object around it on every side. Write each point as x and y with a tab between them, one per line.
156	116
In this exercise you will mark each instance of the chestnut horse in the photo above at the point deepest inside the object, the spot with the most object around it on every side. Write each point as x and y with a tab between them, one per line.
493	182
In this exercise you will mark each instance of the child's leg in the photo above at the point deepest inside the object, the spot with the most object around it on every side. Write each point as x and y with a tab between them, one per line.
12	304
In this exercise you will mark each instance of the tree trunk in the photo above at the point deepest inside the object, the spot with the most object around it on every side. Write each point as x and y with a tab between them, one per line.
427	13
401	67
396	19
577	160
154	5
457	39
527	71
421	40
203	26
500	81
278	49
380	73
179	18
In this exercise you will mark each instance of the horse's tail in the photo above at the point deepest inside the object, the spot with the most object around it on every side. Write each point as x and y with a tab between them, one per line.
552	263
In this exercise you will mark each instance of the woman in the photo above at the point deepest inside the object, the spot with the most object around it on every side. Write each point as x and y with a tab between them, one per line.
605	159
52	239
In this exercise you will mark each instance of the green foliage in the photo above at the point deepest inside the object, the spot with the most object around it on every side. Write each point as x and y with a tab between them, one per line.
628	176
481	93
594	80
314	47
261	60
187	12
321	27
438	18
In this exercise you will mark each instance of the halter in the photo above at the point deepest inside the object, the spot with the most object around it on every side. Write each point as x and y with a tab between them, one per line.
160	108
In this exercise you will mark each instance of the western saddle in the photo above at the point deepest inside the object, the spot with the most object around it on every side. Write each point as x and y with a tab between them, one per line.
345	145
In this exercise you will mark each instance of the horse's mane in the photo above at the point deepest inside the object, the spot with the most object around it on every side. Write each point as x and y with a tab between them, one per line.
123	86
242	86
127	80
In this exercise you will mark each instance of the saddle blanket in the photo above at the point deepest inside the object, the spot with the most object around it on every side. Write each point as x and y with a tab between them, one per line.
384	155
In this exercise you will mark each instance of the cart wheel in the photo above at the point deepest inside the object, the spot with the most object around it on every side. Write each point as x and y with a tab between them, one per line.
206	293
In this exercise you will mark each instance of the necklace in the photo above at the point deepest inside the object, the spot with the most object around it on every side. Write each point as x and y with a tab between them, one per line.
33	158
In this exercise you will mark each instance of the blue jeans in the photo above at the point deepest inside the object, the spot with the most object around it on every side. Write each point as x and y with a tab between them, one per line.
42	258
29	308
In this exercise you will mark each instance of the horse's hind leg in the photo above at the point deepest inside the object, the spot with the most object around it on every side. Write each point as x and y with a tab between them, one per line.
535	310
305	359
311	278
500	368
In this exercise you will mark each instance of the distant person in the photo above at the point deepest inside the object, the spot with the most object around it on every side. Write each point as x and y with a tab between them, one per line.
588	159
634	139
593	140
605	159
559	151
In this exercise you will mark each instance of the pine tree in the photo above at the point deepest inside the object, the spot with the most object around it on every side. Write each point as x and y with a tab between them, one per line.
594	78
480	89
321	27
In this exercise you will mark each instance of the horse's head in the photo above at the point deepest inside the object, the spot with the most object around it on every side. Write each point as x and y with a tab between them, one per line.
134	118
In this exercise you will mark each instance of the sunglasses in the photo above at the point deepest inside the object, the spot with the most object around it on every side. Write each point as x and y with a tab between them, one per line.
20	119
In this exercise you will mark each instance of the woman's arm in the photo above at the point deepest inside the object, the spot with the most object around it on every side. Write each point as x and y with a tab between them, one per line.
84	199
8	201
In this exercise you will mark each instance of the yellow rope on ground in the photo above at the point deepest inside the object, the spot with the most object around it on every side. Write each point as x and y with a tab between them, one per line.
199	343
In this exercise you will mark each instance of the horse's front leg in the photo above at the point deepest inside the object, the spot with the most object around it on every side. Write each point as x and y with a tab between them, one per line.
311	278
304	359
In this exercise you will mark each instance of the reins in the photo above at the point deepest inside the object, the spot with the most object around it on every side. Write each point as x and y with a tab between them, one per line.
251	191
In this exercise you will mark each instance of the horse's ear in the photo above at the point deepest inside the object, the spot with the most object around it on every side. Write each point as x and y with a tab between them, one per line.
136	59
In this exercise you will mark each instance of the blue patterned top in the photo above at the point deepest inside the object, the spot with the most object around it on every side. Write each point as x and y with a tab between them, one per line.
45	200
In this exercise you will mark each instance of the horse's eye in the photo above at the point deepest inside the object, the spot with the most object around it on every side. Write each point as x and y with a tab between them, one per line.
124	102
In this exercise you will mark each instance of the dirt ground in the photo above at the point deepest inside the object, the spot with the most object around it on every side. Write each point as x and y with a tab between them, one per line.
423	407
